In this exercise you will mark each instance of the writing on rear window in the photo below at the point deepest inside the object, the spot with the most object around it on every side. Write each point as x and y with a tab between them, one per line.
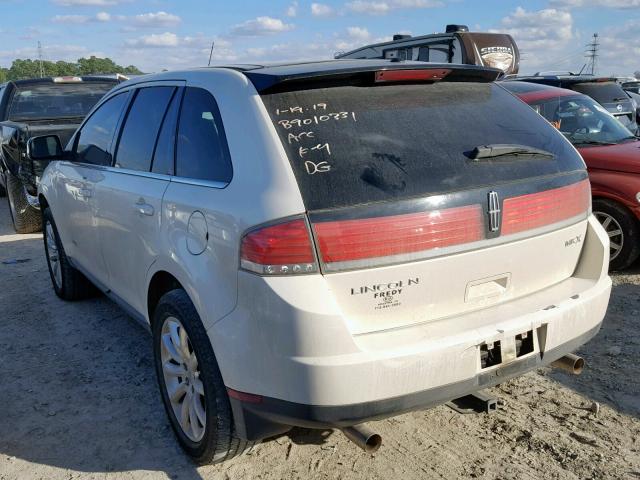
307	140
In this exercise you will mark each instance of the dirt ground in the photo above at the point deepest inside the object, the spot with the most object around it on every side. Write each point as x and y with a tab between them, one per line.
78	399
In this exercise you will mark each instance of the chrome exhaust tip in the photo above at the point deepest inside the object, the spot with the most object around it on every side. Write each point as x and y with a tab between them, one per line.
570	363
363	437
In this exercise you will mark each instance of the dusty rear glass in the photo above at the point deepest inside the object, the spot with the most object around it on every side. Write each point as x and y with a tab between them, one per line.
55	100
357	145
606	92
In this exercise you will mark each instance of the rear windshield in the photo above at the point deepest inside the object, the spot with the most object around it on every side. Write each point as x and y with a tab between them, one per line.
608	92
356	145
55	100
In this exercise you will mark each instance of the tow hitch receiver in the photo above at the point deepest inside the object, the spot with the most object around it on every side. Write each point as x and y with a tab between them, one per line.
478	402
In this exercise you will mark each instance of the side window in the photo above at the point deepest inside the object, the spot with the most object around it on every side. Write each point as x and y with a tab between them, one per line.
94	140
439	53
141	127
202	147
165	148
456	51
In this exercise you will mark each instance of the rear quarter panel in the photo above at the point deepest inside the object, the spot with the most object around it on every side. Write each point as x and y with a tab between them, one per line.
263	188
621	187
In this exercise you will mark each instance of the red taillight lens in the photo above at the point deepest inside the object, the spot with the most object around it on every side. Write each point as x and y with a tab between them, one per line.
369	238
545	208
279	249
387	76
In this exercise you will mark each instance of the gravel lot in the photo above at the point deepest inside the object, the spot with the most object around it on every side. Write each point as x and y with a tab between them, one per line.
79	400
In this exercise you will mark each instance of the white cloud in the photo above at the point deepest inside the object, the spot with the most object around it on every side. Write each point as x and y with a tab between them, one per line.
378	7
261	26
292	10
541	36
321	10
358	33
166	39
157	19
154	53
623	4
102	17
77	19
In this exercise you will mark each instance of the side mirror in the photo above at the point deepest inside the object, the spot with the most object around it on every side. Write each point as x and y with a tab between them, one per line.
46	147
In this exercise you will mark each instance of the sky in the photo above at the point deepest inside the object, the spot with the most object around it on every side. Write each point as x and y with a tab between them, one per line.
174	34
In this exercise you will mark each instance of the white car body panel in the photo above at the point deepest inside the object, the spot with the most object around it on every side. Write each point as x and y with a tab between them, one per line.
304	338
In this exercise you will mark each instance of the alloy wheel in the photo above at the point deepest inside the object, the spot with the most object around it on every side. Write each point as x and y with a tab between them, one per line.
53	255
614	231
182	379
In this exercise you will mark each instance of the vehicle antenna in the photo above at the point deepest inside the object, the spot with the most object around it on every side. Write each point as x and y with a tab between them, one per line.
40	59
211	53
592	53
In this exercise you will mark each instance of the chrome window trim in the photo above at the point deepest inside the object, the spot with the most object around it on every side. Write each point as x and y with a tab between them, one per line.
199	183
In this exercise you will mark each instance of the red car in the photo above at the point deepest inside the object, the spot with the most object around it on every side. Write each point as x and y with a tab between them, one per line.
612	155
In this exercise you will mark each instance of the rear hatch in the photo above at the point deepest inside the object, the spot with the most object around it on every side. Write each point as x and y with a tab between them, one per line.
411	221
612	97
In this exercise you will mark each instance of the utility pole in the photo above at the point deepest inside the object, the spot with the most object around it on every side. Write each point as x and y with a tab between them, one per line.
40	59
211	53
592	53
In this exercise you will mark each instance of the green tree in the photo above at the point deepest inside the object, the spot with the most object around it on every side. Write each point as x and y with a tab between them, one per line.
27	68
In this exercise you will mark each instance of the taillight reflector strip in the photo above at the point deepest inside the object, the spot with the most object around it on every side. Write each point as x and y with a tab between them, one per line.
536	210
279	249
348	240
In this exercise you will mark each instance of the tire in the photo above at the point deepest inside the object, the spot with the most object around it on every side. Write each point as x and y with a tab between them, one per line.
25	217
623	230
213	440
68	283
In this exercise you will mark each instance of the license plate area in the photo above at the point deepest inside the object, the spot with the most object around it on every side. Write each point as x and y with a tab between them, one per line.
508	349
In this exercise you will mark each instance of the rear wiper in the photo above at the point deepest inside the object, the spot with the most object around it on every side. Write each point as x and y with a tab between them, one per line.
507	150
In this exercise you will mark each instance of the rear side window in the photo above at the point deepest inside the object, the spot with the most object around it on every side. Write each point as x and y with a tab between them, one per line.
163	159
355	145
202	151
140	131
94	140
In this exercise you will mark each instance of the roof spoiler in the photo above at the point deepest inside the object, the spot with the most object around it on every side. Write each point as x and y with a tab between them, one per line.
366	76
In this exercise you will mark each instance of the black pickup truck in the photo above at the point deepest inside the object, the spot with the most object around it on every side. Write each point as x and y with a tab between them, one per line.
41	106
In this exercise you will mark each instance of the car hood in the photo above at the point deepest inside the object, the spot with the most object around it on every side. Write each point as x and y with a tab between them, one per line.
624	157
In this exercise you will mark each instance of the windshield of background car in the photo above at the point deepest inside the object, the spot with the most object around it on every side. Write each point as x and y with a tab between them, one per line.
352	145
605	92
55	100
582	120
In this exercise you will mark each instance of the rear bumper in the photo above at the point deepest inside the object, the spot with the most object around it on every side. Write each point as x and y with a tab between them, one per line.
271	416
309	370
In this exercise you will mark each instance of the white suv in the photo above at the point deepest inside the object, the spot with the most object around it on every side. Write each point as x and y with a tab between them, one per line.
327	243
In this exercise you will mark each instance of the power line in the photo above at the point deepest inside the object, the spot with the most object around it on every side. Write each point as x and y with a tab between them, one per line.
592	53
40	59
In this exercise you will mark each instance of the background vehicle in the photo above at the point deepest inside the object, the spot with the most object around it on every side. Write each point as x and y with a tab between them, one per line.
456	45
281	229
34	107
631	86
612	156
604	90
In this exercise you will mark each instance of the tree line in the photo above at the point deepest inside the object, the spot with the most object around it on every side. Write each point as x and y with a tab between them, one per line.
28	68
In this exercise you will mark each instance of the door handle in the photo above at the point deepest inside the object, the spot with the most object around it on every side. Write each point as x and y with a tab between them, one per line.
144	208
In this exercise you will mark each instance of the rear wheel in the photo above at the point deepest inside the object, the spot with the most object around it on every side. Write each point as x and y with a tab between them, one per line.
68	283
191	385
623	230
26	218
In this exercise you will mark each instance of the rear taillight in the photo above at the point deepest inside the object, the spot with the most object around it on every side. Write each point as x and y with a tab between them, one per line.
540	209
280	249
396	238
